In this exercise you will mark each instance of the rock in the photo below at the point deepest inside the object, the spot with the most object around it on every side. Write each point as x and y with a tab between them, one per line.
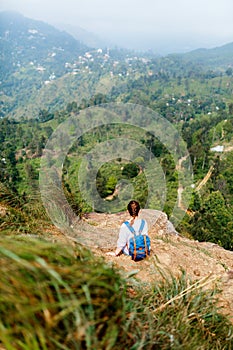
158	222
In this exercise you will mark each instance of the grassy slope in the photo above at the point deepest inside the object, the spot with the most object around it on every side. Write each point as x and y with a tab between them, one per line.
57	297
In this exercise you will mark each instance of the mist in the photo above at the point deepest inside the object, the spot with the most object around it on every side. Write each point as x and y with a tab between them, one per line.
163	26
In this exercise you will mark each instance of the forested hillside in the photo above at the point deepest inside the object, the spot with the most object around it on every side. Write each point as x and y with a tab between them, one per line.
47	77
82	131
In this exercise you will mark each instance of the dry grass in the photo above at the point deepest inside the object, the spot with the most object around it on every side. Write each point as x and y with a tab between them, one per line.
61	297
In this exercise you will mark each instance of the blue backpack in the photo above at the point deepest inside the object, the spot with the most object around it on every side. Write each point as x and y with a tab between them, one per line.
139	245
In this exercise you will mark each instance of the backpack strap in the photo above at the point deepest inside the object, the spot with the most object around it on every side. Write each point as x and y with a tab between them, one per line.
142	226
146	247
139	233
132	229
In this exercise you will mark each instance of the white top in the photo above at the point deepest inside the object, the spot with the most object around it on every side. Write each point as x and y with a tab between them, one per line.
125	234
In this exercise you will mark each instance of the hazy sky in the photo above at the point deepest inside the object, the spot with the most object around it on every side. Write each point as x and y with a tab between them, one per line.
142	24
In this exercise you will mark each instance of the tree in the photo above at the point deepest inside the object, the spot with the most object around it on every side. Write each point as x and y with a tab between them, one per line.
72	107
230	108
229	71
130	170
44	115
213	222
111	184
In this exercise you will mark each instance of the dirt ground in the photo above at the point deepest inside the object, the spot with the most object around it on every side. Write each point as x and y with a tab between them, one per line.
170	252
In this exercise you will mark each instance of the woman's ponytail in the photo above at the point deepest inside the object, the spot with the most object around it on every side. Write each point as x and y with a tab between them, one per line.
133	209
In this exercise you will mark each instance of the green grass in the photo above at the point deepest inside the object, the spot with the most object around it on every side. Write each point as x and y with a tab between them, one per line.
181	315
23	215
55	296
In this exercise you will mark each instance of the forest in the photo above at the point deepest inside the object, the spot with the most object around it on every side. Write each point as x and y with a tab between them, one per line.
82	131
193	92
198	104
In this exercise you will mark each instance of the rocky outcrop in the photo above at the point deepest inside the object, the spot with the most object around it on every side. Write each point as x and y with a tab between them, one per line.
171	253
158	222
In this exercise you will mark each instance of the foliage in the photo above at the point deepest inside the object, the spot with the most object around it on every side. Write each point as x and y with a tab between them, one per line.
24	215
213	222
57	297
40	92
49	75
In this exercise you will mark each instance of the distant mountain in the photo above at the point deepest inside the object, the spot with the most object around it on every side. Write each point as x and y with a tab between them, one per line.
42	67
221	56
84	36
32	54
24	41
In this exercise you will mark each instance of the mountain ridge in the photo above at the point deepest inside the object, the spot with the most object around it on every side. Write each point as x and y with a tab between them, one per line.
219	55
35	55
74	31
26	41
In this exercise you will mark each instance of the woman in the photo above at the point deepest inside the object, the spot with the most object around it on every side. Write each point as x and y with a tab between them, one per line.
134	224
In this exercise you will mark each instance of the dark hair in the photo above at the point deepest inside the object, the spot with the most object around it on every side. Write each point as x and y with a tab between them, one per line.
133	208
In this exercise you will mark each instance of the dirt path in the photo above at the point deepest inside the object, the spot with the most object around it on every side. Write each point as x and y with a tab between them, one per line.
180	187
206	178
208	175
228	149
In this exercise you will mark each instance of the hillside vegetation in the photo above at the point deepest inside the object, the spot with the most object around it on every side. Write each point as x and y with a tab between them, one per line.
57	294
195	99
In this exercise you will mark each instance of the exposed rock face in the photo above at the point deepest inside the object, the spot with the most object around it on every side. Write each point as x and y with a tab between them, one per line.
158	222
